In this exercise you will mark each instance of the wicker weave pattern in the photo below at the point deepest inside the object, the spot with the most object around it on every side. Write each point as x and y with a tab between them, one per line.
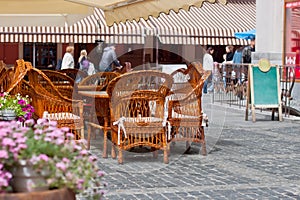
97	82
185	107
138	99
10	79
74	73
46	98
62	82
3	67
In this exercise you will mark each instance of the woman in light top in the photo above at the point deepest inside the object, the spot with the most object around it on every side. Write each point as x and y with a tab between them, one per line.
82	57
68	60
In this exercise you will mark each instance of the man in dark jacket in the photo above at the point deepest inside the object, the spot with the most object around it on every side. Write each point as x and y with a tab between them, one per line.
247	51
109	59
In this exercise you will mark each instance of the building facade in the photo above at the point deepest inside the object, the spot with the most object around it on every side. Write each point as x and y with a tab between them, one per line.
173	38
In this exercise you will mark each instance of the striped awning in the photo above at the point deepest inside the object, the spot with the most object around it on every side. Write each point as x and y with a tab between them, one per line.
86	30
212	24
117	11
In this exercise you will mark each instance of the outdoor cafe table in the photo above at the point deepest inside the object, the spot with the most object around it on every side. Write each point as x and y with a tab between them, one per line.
102	110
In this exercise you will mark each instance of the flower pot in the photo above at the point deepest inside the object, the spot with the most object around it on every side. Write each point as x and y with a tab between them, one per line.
58	194
26	179
8	115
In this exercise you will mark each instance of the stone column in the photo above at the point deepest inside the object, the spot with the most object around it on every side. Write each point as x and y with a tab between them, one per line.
269	31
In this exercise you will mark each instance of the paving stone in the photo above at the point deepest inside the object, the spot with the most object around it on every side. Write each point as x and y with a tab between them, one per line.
247	160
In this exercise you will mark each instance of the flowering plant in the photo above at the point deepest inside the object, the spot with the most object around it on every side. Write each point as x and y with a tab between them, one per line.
47	147
20	105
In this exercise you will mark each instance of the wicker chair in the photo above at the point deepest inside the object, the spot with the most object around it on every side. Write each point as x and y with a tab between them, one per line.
10	79
185	109
97	82
3	67
137	110
63	83
76	74
51	104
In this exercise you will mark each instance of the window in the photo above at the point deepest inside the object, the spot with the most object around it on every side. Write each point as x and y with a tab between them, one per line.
42	54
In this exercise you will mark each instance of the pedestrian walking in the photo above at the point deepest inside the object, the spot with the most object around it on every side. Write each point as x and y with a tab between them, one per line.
109	59
208	64
68	59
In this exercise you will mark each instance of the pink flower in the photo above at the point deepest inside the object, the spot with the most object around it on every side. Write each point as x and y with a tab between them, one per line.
61	166
70	135
8	142
3	154
84	152
100	173
53	123
92	158
66	160
22	102
47	139
65	129
44	157
21	140
59	141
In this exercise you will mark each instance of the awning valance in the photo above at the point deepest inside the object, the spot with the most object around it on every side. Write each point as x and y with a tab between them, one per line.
212	24
117	11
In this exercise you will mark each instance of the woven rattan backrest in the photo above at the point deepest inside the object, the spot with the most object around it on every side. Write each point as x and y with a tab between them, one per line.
3	67
139	93
12	77
142	80
181	82
62	82
58	78
98	81
74	73
195	71
186	100
42	84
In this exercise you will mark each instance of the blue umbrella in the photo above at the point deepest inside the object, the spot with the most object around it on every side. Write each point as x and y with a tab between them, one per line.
246	35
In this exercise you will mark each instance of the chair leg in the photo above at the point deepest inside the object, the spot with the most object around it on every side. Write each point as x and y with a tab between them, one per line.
166	158
120	156
104	155
155	153
168	149
89	137
113	151
187	145
203	149
82	133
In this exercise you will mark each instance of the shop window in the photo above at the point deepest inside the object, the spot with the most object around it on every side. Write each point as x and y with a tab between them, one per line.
43	55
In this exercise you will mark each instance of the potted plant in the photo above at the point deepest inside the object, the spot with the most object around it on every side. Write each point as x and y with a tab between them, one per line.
52	153
15	107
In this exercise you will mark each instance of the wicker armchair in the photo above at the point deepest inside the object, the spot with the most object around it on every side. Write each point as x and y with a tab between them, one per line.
3	67
97	82
76	74
137	110
51	104
63	83
185	113
10	79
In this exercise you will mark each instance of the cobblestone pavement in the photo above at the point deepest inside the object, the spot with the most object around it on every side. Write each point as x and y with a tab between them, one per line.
247	160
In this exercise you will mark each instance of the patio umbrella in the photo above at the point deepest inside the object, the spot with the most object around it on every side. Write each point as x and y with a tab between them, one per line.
246	35
41	12
123	10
